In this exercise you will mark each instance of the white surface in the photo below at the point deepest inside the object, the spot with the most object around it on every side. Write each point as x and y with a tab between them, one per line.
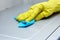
47	28
39	31
55	35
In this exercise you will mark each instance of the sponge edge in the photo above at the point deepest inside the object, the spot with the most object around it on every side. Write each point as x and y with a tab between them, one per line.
24	24
15	18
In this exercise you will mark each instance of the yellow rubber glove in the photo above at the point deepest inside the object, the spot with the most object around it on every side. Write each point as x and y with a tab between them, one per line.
40	10
30	14
50	7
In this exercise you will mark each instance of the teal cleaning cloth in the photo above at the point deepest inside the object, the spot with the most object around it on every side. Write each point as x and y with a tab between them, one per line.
24	24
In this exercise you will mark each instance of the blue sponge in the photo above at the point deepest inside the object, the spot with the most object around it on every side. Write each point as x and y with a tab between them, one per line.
24	24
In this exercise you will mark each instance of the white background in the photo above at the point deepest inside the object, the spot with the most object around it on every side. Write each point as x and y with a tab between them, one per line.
8	3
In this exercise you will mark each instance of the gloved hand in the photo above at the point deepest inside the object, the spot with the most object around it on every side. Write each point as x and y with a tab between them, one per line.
30	14
40	10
